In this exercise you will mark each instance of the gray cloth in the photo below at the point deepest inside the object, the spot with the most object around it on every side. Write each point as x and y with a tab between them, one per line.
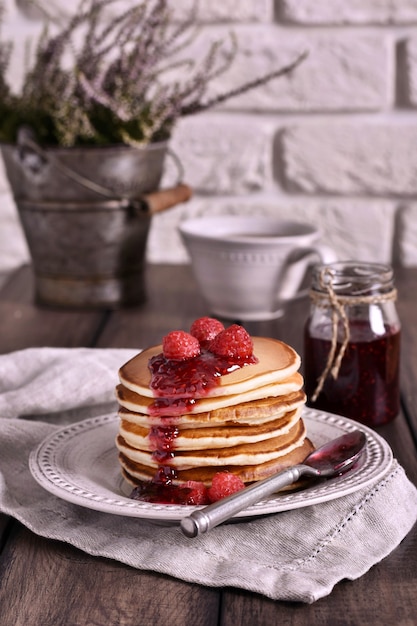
296	555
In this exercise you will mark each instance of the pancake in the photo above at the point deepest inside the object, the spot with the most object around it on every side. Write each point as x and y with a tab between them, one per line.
242	454
142	438
276	363
135	473
253	412
142	404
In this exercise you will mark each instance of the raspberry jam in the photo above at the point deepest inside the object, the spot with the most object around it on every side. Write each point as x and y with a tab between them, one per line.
352	342
176	384
158	492
367	386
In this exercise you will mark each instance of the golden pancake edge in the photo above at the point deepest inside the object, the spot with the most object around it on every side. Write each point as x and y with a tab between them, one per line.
277	362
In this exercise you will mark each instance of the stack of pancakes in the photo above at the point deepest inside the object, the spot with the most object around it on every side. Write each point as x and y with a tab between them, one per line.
249	423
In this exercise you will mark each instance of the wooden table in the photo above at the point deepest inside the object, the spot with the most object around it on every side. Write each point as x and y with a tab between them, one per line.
46	583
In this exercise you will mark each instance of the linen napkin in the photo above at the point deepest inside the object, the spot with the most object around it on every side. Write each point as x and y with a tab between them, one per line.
296	555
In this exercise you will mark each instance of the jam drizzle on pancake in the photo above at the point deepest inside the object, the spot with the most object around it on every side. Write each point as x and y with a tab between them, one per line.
177	383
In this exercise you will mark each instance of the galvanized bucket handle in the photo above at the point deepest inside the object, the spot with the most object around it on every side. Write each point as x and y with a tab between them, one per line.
28	148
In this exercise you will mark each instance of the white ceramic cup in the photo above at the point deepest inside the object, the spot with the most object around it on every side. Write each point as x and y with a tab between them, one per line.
248	267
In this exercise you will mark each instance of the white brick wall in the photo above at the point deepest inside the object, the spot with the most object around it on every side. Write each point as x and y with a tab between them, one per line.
335	143
314	12
374	158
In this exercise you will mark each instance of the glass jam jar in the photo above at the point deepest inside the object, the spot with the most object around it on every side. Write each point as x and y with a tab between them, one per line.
352	342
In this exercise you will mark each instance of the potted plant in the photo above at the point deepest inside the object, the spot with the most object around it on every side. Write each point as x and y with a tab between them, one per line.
84	141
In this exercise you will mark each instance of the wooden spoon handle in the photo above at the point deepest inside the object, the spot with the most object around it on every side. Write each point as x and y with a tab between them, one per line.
166	198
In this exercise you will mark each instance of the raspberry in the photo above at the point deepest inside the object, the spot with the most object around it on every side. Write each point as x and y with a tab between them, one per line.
223	485
233	342
205	329
197	492
179	345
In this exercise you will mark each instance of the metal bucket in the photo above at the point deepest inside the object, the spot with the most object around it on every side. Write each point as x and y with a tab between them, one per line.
87	243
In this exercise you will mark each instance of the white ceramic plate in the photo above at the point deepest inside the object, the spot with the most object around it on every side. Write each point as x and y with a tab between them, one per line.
79	464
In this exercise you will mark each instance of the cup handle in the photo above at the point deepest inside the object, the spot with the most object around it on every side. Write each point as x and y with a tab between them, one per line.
294	273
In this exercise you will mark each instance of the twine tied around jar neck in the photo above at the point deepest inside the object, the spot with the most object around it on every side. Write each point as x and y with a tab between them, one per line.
329	299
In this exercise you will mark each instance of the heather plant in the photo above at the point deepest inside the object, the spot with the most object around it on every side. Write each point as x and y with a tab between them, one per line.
111	75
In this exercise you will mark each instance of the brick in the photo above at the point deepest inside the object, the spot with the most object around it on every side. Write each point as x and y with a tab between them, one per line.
407	235
356	229
13	247
213	11
224	153
4	184
344	71
347	158
228	10
315	12
410	62
19	31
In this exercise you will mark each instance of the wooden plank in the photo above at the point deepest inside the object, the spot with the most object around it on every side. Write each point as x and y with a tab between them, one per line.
4	277
24	324
173	302
54	584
